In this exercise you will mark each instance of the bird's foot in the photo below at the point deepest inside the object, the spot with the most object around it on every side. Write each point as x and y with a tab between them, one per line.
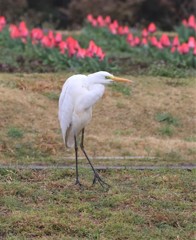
98	179
78	183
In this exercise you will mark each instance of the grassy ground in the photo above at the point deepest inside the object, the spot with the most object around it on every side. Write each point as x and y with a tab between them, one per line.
152	118
139	205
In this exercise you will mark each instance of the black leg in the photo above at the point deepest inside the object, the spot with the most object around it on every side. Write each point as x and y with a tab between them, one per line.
96	175
76	155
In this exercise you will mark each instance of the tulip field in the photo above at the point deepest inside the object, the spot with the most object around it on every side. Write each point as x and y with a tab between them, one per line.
98	42
141	138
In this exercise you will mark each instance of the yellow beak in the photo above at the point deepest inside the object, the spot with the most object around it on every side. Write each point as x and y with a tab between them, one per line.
117	79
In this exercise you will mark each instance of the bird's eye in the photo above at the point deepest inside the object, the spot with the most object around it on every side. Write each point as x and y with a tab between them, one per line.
107	77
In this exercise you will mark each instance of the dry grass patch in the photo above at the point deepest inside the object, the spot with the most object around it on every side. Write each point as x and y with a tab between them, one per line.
123	124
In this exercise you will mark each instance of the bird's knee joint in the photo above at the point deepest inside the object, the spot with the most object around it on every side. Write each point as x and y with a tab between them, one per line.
81	146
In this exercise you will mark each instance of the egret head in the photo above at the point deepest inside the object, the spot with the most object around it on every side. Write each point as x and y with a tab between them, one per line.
103	77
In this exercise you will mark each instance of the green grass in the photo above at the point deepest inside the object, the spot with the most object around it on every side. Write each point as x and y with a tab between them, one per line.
124	89
167	118
14	132
169	122
191	139
52	96
139	205
166	130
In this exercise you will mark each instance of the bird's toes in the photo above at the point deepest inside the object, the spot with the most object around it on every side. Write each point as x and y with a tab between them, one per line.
98	179
78	183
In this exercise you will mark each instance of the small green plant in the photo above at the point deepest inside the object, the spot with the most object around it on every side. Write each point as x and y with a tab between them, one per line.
167	118
191	139
166	130
169	121
171	71
126	132
14	132
125	90
52	96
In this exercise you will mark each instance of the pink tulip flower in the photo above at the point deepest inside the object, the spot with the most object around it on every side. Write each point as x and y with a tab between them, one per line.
165	40
191	42
129	37
2	22
176	42
154	41
58	38
100	21
100	53
90	18
183	48
144	42
45	41
144	33
62	47
81	53
184	22
113	28
107	20
37	34
159	45
137	41
191	21
24	32
151	28
173	49
14	31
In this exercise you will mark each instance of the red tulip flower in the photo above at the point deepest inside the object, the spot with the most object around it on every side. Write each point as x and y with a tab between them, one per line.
184	22
136	41
144	42
152	28
191	42
90	18
176	42
183	49
72	43
37	34
173	49
81	53
58	38
123	30
191	21
100	54
165	40
14	31
154	41
100	21
62	46
92	46
159	45
129	37
46	41
2	22
107	20
144	33
23	29
113	28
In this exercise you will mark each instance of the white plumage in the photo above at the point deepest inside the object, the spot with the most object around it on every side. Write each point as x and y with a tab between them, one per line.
78	96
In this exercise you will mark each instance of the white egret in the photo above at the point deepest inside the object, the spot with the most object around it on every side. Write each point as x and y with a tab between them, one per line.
78	96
